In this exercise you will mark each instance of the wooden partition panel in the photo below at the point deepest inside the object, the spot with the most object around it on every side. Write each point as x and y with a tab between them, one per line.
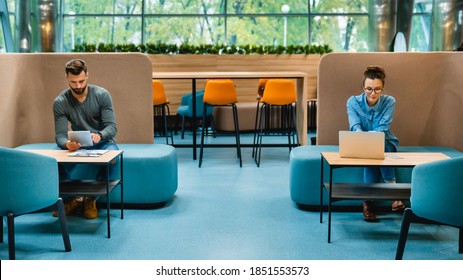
31	82
246	89
428	89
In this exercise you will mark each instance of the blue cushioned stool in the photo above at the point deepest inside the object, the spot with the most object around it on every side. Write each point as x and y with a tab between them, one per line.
150	173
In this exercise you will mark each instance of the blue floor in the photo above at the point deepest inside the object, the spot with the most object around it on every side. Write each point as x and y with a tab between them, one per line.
224	212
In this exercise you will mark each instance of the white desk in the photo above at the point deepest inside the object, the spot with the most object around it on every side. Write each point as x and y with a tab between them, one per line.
301	85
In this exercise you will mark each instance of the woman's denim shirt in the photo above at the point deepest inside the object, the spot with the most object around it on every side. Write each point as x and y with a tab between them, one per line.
377	118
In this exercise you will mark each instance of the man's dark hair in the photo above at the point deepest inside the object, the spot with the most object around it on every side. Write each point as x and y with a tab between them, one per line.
374	72
75	67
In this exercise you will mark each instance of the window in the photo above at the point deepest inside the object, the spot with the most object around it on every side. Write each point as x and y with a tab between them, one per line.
267	7
421	26
184	30
193	7
341	33
98	29
342	24
103	7
6	40
2	40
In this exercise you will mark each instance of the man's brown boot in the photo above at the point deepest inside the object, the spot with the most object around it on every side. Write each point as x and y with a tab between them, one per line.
70	205
90	210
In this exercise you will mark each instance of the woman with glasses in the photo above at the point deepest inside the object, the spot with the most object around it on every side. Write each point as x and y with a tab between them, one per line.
373	111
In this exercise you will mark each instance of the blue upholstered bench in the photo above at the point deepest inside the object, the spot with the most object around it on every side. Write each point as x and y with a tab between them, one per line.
150	173
304	174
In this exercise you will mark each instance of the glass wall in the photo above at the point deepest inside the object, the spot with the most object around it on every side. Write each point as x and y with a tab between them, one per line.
341	24
103	21
2	40
6	17
279	22
345	25
420	35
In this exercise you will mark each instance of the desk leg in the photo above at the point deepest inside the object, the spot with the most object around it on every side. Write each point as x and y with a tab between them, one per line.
301	110
122	186
193	122
321	190
108	220
329	205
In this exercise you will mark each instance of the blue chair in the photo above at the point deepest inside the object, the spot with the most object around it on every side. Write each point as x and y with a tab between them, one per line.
436	197
185	110
29	183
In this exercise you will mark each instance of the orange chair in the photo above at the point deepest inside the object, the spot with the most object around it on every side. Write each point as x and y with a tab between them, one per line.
280	93
160	103
220	92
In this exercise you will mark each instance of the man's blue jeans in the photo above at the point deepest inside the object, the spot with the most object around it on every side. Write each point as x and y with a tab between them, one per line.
66	169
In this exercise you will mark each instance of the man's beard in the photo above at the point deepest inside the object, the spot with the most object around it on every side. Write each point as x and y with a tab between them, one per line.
79	91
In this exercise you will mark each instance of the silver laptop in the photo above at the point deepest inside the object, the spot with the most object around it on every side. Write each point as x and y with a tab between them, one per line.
369	145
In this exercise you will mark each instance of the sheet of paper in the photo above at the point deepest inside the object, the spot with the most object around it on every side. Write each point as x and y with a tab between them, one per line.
87	153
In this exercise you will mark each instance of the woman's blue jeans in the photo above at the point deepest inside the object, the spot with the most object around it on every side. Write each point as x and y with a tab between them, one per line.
372	174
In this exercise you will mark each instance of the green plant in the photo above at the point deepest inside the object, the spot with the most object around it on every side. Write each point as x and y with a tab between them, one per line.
126	48
163	48
84	47
106	47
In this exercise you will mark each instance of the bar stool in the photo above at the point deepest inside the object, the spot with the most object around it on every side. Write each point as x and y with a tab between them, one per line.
160	103
260	94
280	93
220	92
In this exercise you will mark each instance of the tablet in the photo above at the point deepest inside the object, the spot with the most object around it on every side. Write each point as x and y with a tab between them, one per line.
82	137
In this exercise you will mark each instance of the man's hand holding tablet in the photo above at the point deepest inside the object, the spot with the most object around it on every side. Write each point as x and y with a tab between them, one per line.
78	139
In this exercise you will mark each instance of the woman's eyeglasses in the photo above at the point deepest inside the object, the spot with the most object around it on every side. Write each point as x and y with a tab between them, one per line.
369	90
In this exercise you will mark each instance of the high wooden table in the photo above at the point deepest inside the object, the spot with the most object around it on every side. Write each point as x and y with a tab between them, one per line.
90	187
365	191
301	86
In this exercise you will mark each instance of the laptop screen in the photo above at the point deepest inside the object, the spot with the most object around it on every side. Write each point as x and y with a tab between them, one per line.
356	144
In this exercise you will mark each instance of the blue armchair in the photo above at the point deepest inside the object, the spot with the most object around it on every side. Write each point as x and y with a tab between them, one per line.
185	110
28	183
436	197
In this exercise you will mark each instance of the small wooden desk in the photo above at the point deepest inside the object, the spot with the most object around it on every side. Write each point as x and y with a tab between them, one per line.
379	191
90	187
301	81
